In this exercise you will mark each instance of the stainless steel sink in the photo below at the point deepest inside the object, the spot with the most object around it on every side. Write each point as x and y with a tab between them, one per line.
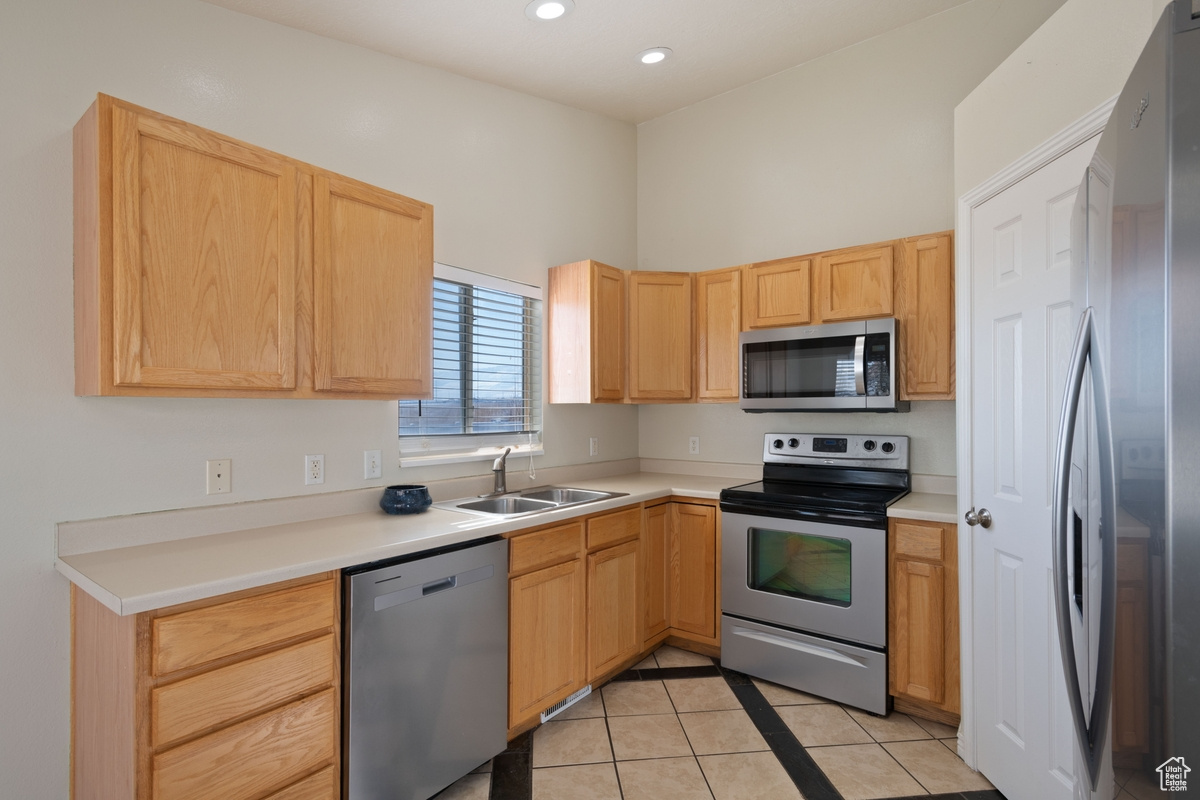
506	505
537	500
564	496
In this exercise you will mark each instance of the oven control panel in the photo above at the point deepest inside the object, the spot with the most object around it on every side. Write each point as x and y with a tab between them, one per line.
882	451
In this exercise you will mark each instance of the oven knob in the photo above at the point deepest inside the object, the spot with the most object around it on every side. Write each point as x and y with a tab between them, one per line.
887	447
793	443
869	445
777	444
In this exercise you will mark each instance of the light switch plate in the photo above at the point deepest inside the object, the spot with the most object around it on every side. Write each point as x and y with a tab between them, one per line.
372	464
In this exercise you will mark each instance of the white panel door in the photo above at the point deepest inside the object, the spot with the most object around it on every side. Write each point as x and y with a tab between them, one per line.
1020	344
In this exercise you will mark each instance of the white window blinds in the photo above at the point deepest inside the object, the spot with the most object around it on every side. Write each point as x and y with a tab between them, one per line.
487	350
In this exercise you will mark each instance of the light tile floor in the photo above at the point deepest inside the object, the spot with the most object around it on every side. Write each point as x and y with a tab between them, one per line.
683	738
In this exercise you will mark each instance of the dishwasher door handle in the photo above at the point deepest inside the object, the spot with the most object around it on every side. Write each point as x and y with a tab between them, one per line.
407	595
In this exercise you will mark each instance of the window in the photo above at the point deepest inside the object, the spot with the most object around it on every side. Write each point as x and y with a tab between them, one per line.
487	377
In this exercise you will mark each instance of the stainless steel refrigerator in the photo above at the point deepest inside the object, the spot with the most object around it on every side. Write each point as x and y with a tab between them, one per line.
1127	469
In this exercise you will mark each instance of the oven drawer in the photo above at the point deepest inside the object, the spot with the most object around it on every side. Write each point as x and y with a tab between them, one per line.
834	670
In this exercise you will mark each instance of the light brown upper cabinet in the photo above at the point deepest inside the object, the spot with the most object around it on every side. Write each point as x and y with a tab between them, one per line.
853	284
925	309
776	293
718	323
585	317
660	337
194	269
373	267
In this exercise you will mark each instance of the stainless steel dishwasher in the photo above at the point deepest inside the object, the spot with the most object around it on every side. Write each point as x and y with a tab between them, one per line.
426	677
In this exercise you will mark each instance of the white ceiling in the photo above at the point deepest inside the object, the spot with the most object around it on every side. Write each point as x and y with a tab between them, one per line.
588	58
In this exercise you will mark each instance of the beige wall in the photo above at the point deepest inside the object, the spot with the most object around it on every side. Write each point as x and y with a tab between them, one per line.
849	149
1073	63
503	172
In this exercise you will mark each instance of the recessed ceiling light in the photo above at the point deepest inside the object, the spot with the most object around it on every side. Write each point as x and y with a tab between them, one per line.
543	10
654	55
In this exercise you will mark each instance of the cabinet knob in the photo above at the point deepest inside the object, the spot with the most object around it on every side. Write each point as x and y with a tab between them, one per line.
982	517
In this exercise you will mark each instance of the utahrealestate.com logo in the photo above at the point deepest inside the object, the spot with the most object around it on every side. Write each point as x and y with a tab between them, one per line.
1172	775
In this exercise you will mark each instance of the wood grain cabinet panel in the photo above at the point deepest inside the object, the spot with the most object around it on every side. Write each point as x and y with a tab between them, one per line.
200	636
606	530
547	639
777	293
544	548
194	269
924	295
614	611
259	717
373	289
291	741
585	318
1131	664
694	569
853	284
718	323
923	660
656	569
660	337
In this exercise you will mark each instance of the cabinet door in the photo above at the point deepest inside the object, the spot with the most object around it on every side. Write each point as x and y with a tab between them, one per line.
547	638
660	336
923	665
853	284
693	573
917	655
614	624
372	290
925	308
608	333
204	259
718	323
656	565
776	293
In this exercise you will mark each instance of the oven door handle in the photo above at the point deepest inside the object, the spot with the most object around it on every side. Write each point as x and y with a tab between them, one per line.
811	649
860	365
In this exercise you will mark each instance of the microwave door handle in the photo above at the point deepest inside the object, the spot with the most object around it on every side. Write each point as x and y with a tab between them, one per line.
860	365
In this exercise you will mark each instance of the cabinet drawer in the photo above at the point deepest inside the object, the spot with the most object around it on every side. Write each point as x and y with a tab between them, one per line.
253	757
203	702
543	548
320	786
919	541
192	638
613	528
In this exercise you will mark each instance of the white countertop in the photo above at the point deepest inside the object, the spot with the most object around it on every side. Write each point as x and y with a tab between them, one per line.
926	506
129	580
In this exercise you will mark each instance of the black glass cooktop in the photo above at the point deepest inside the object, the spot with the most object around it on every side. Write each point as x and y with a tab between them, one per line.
807	492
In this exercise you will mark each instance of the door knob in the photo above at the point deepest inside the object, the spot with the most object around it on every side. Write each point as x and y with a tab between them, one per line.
983	517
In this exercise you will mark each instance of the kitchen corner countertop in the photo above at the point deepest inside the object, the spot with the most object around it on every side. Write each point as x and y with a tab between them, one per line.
129	580
926	506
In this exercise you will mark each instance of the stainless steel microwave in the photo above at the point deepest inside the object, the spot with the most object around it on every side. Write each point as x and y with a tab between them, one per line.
845	366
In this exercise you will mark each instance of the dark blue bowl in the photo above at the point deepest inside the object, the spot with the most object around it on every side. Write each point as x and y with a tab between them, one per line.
405	499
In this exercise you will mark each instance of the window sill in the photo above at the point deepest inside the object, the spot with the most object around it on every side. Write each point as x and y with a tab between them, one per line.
489	452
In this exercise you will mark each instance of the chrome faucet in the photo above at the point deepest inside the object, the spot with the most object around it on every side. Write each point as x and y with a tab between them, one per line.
500	485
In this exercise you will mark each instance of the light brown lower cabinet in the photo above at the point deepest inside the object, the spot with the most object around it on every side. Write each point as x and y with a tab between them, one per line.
1131	665
923	657
233	697
694	593
656	570
613	596
547	618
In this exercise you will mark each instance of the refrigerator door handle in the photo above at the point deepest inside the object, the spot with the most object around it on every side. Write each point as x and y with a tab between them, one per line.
1090	732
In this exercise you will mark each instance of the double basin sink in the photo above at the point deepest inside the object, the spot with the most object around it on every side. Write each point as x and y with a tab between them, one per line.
526	502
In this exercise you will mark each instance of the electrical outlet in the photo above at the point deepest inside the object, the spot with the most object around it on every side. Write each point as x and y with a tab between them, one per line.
694	445
372	464
593	446
220	476
314	470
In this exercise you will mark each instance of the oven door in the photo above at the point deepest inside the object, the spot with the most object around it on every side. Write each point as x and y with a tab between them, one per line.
813	577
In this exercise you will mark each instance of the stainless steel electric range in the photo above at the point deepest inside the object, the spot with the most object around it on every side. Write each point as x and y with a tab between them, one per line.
804	565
